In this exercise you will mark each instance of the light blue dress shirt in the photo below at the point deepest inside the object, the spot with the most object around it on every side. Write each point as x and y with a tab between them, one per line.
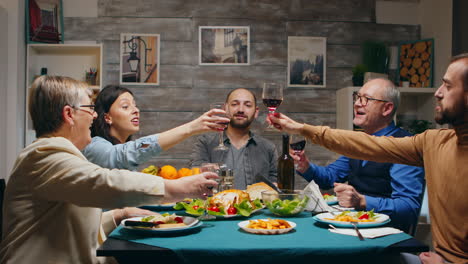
128	155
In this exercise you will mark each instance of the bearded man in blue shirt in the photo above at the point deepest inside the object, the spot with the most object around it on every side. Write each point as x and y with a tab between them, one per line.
392	189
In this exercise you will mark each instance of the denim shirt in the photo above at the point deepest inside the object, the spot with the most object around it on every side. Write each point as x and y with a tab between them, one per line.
128	155
407	183
260	156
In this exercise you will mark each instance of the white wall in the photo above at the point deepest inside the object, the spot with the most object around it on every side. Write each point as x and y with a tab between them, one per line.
82	8
436	22
390	12
13	121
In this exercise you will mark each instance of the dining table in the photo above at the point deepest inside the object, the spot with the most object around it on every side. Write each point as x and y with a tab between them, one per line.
223	241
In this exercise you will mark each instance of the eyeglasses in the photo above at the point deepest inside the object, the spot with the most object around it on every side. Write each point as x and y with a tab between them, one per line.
365	99
91	107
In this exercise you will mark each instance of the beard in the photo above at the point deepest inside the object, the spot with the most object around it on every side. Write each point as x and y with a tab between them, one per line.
241	124
453	116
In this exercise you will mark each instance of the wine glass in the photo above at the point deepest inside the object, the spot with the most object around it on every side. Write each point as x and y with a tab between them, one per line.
272	96
212	167
297	143
221	146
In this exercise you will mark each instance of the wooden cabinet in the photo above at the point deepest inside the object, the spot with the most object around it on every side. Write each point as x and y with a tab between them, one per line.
416	104
72	60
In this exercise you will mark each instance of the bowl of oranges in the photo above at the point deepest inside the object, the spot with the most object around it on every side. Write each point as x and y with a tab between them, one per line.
170	172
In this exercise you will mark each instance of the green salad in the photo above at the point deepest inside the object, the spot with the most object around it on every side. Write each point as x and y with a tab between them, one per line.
287	207
198	206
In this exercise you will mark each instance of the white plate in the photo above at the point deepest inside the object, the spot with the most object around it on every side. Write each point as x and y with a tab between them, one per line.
381	219
332	201
191	223
243	226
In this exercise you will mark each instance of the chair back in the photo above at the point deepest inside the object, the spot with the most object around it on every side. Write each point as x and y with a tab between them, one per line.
424	208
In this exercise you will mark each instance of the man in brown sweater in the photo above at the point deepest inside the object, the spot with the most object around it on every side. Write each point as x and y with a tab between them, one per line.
442	152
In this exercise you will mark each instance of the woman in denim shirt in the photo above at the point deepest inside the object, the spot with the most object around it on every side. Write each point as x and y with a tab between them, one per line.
119	118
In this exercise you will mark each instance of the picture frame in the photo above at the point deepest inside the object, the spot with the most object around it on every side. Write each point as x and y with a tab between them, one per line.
44	21
224	45
307	61
416	63
139	59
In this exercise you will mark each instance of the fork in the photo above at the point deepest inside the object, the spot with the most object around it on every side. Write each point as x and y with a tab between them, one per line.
354	223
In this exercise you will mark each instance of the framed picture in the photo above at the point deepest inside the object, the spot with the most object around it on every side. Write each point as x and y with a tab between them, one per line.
139	58
224	45
44	20
416	63
307	61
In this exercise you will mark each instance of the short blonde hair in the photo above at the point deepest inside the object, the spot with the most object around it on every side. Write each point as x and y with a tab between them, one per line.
47	97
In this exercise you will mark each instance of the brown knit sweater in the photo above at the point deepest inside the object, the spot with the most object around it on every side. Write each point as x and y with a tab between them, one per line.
444	155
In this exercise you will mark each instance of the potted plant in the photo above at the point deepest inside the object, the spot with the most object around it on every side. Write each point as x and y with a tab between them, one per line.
358	74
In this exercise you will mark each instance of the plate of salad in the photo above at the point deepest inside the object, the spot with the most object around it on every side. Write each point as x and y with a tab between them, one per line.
243	209
162	224
344	219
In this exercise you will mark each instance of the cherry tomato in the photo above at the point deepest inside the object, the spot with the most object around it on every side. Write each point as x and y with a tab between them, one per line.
179	219
213	208
232	211
195	207
364	216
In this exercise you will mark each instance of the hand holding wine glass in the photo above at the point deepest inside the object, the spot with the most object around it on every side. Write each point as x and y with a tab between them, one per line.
221	146
272	97
297	145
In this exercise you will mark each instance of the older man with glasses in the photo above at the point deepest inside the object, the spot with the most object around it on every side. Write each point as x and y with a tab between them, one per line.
392	189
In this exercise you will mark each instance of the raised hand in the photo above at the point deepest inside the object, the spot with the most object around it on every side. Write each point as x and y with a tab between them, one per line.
301	162
284	123
195	186
213	120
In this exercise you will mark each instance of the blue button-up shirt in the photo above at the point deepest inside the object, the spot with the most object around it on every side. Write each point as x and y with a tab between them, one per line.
407	184
128	155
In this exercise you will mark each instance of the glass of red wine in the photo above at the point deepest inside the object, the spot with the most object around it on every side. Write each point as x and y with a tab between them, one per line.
272	96
297	144
221	146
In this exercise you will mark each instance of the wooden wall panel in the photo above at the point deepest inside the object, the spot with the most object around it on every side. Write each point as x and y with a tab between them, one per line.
338	10
186	88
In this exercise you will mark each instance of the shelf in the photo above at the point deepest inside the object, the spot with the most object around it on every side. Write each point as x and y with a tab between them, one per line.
415	103
71	60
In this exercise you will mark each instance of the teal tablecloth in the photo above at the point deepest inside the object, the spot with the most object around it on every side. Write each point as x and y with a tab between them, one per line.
223	240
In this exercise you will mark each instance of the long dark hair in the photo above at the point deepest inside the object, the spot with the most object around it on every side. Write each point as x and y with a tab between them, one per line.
104	101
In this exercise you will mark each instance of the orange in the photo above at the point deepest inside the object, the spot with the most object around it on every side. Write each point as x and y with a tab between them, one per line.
184	172
195	170
168	172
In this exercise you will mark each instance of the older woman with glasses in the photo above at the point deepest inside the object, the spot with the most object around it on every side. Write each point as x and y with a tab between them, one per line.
53	199
119	118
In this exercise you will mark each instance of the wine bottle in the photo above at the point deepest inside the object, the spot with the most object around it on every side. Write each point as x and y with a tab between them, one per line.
286	167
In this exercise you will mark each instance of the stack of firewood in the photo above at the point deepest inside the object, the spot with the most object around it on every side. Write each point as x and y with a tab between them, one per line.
415	63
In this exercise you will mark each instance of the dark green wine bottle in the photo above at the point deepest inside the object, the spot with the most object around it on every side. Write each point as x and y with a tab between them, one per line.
286	167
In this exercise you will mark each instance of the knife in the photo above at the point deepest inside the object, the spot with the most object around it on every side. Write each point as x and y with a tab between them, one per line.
272	185
140	223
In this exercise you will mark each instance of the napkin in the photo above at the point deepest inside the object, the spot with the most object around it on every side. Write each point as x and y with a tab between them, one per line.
316	202
367	232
